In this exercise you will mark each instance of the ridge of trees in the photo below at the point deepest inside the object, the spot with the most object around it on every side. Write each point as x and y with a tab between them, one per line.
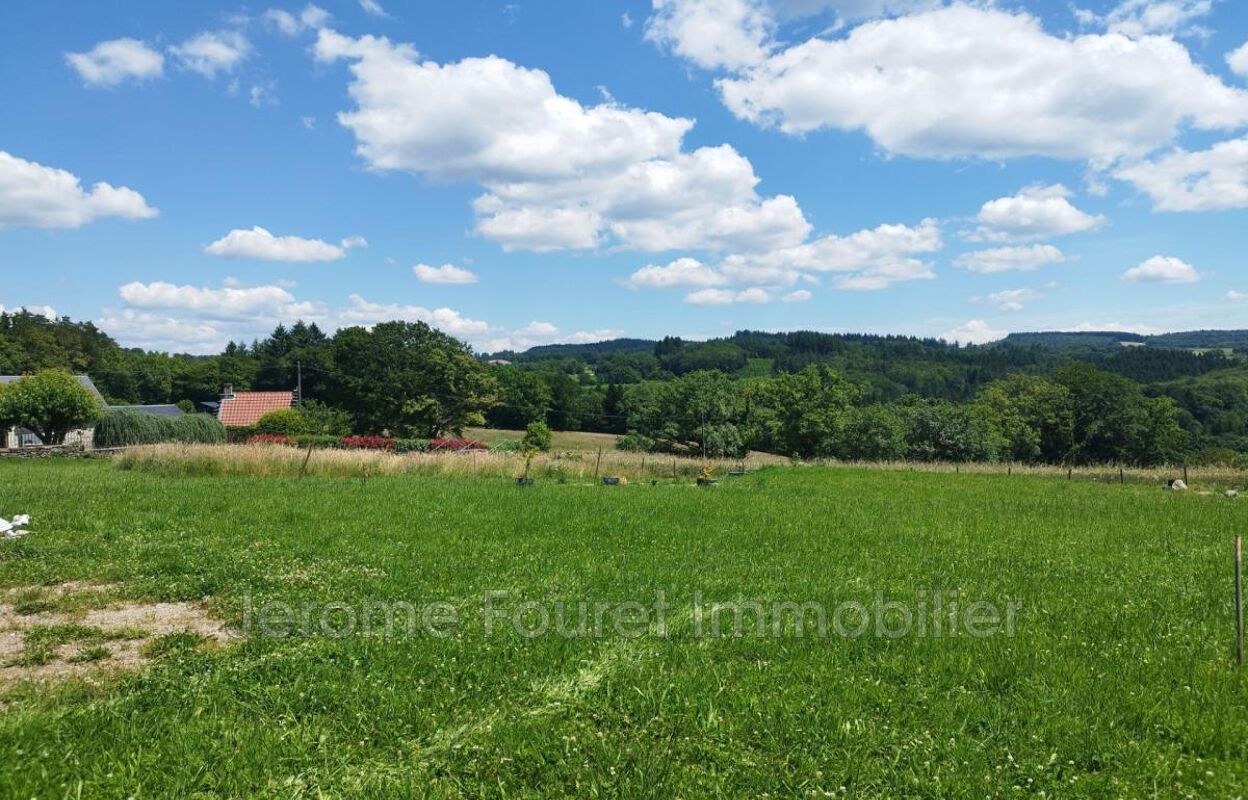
799	393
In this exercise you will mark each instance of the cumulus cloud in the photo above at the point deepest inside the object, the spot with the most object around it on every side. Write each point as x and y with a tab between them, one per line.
1116	327
1138	18
46	197
43	311
447	273
212	52
1162	269
112	62
712	33
932	85
557	174
868	259
722	297
1237	60
373	8
311	18
1205	180
799	296
683	273
226	302
201	319
976	331
1037	212
1009	259
362	312
1014	299
259	244
153	331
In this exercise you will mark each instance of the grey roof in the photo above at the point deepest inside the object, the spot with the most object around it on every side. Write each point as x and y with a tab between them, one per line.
82	379
158	410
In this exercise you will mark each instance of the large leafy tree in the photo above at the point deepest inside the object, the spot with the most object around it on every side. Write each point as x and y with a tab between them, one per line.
51	403
409	379
801	413
1034	415
524	397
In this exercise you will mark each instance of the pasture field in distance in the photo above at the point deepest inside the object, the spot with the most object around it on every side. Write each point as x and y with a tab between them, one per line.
1117	678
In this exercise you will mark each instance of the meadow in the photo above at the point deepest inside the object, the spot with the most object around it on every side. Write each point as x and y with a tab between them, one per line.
1117	678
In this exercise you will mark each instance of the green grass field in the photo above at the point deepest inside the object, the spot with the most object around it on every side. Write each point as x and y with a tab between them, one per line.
1118	680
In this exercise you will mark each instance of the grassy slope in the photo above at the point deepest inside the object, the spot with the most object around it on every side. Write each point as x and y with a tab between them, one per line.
1118	683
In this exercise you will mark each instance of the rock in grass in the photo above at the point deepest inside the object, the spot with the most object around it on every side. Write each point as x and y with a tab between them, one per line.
1178	485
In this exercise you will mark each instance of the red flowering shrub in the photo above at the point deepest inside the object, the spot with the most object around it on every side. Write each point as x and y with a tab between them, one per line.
272	438
366	443
453	444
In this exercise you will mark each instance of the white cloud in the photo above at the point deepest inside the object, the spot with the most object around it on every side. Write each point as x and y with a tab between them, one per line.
712	33
109	63
799	296
1037	212
1236	295
197	319
46	197
43	311
311	18
866	260
447	273
227	302
373	8
1009	259
683	273
721	297
539	333
537	229
1205	180
933	85
212	52
1013	299
1237	60
557	174
626	20
1115	327
362	312
1138	18
160	332
1162	269
259	244
975	331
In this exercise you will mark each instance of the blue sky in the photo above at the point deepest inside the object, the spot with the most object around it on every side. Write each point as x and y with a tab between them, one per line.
523	173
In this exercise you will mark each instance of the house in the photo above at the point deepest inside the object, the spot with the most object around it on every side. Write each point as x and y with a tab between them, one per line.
157	410
241	409
21	437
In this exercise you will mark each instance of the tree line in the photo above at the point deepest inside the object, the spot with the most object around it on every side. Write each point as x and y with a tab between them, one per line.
803	394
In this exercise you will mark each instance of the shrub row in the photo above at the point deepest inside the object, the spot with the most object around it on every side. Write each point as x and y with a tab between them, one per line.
321	441
446	444
272	438
127	427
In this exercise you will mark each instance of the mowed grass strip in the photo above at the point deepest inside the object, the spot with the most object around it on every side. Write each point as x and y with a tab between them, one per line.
1119	680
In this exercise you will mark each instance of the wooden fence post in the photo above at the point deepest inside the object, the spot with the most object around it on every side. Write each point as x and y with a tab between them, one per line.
597	463
1239	601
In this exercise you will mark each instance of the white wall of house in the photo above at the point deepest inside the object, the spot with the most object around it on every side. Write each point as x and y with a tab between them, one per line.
19	437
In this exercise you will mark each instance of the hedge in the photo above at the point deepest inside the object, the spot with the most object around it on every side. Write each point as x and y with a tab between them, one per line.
126	427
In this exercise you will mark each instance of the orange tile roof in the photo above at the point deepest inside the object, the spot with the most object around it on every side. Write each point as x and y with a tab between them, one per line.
246	408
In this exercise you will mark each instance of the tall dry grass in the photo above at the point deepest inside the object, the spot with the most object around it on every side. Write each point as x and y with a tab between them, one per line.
277	461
